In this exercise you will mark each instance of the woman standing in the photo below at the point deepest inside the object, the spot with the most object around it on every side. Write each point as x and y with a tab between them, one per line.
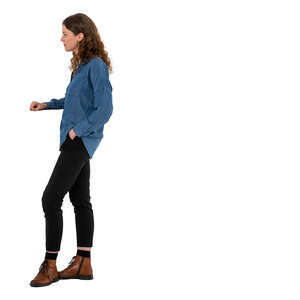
87	107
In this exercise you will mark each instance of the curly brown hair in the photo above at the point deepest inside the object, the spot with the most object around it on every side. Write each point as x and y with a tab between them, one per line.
91	45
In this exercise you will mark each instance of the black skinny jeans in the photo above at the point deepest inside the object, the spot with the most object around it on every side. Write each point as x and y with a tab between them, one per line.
70	174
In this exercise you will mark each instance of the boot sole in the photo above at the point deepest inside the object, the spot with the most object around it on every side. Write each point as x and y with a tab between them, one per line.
35	284
82	277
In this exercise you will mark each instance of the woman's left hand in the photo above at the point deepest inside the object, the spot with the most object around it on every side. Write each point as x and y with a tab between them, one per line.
72	134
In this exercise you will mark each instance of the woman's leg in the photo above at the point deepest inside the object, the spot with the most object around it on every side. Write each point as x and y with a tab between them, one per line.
68	166
80	198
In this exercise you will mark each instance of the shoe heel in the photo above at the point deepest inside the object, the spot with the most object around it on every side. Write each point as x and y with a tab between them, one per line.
86	277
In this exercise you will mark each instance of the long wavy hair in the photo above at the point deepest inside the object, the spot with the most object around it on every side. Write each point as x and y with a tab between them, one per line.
91	45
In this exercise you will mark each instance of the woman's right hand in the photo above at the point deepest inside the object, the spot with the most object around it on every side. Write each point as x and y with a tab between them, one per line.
37	106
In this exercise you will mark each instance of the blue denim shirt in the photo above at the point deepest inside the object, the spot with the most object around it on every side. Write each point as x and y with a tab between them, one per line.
87	104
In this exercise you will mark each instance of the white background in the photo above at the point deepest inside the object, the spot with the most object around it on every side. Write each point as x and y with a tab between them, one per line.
195	185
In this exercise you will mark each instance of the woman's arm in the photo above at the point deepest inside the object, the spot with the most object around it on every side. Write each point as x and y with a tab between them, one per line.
55	104
102	101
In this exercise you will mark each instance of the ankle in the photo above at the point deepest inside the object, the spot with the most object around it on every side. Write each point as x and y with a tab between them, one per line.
51	255
83	253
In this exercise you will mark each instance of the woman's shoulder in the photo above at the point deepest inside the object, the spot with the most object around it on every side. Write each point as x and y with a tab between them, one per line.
97	60
97	64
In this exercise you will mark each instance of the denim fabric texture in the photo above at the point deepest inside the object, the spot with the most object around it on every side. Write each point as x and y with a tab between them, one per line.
87	104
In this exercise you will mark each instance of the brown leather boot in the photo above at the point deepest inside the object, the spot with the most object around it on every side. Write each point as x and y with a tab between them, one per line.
79	268
47	274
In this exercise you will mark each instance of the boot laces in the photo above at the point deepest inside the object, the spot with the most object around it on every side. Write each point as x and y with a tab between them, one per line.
43	266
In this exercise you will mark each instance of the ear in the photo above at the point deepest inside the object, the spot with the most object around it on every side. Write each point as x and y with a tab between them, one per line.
81	36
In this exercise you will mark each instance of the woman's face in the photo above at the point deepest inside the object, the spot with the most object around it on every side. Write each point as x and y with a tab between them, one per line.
70	40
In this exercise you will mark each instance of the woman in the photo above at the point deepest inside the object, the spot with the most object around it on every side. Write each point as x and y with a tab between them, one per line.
87	107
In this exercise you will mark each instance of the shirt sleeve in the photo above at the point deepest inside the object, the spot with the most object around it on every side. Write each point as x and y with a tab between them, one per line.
56	103
102	100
